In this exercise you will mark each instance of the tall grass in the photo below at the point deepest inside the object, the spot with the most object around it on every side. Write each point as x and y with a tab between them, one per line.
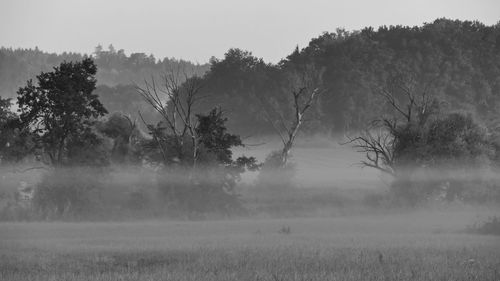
419	246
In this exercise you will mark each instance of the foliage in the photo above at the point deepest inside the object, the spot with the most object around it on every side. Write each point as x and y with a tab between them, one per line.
16	142
124	100
452	144
67	192
207	186
115	67
237	83
461	58
458	140
417	140
489	227
126	138
61	109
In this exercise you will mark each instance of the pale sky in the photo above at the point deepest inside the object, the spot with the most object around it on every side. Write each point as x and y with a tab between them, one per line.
199	29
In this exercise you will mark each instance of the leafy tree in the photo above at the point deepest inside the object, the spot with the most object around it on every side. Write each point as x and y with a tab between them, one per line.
16	142
61	109
126	138
60	112
209	185
123	99
235	82
217	173
5	112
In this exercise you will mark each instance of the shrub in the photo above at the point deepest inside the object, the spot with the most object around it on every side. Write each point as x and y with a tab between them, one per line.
274	175
489	227
66	192
137	200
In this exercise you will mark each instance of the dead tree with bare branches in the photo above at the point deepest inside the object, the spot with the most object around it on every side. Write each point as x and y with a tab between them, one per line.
385	140
303	89
175	100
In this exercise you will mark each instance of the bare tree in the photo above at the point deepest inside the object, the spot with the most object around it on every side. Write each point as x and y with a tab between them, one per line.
304	87
174	101
418	105
378	149
412	107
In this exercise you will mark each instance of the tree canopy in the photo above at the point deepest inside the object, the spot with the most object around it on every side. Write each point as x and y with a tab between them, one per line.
60	109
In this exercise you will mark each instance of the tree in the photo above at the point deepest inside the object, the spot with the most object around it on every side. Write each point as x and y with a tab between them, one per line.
209	185
5	112
198	173
60	112
125	135
16	142
303	88
175	102
420	148
61	108
387	138
217	173
389	143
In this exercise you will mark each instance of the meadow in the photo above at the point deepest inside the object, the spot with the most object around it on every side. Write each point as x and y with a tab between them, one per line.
417	245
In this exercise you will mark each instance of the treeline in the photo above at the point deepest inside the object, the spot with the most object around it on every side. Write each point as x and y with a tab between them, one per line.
456	61
63	128
114	66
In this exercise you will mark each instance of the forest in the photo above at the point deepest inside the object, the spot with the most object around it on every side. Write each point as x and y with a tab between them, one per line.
457	60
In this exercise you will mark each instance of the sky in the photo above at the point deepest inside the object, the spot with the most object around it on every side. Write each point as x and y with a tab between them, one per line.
196	30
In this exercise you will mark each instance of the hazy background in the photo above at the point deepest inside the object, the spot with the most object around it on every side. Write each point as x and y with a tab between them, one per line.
198	30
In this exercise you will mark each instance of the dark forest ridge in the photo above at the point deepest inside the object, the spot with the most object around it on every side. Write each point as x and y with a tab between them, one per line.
115	67
456	61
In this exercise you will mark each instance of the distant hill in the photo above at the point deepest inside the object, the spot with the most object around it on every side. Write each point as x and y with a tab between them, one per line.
114	66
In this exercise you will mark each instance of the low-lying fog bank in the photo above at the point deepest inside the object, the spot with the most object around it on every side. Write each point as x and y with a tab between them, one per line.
325	181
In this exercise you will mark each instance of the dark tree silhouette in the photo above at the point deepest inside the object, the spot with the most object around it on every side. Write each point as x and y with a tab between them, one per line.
61	108
418	138
175	101
16	142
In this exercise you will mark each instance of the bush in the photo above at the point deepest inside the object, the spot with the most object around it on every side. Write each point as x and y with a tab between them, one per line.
208	190
488	227
429	157
137	200
274	175
67	192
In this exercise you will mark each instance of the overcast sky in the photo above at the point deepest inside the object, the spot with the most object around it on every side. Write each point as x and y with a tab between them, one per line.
198	30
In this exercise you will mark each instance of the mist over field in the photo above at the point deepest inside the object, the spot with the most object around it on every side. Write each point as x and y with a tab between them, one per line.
370	151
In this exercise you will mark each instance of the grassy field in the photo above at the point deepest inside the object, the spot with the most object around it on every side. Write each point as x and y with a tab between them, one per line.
410	246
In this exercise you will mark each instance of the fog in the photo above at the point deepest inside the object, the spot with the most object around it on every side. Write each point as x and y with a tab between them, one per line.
300	140
136	221
326	179
319	161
